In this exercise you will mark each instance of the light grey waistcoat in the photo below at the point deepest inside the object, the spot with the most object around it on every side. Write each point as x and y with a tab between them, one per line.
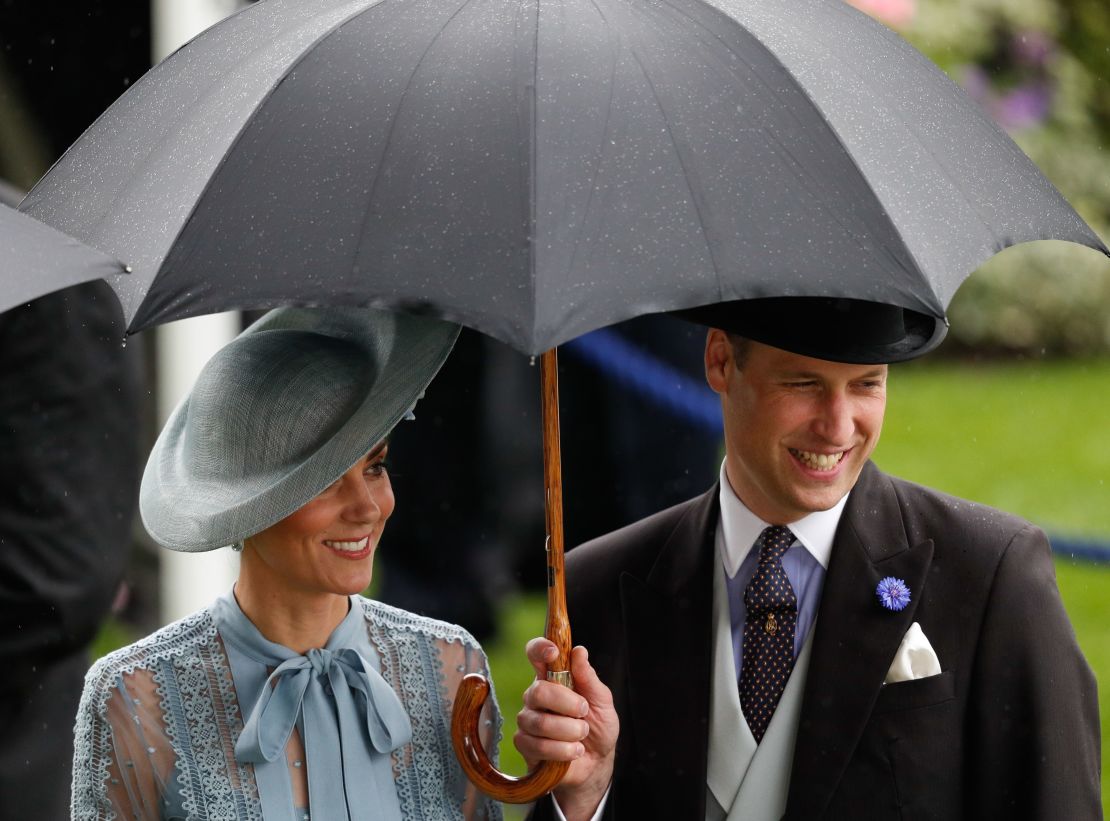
745	780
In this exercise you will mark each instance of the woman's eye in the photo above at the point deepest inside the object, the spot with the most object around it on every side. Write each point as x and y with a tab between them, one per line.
379	468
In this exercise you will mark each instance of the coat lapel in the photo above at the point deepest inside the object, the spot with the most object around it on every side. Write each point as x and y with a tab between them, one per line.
668	629
855	638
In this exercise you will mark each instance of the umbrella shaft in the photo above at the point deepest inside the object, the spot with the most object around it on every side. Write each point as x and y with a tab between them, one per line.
558	625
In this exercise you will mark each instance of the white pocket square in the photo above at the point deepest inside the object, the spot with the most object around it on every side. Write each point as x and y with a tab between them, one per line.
915	658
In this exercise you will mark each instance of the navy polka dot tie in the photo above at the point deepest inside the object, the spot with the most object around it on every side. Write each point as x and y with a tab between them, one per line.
768	632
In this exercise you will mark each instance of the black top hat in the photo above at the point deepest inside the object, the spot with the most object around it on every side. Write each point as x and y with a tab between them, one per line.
830	328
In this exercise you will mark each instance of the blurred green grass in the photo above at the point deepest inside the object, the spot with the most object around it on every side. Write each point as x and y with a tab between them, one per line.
1029	437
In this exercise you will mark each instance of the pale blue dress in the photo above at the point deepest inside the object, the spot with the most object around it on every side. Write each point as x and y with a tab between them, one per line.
207	719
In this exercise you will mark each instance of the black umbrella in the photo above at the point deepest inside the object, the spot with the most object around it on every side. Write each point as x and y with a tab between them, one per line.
38	260
538	170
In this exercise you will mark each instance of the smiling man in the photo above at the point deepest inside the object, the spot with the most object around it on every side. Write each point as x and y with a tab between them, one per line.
814	639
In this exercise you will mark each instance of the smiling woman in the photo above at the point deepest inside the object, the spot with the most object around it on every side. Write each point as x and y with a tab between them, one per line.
322	552
291	696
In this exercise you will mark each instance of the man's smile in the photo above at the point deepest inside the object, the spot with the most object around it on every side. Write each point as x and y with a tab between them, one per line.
818	461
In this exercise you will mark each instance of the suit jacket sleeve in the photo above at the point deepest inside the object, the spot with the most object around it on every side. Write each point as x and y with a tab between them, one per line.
1033	728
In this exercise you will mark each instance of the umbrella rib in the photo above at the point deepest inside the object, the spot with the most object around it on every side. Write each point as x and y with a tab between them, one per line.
388	143
605	133
685	177
533	185
801	89
954	180
138	309
867	182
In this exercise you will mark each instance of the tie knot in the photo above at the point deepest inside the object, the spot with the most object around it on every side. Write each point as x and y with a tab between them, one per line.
320	659
774	541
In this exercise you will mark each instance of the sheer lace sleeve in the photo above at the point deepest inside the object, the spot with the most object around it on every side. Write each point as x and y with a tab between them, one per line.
122	756
424	660
459	659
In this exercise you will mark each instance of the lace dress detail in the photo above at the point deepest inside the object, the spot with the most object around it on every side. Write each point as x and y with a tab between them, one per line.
426	769
158	721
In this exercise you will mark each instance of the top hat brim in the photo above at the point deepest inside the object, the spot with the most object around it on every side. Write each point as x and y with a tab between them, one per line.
833	329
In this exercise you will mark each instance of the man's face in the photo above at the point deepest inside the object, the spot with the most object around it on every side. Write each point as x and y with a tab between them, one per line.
797	430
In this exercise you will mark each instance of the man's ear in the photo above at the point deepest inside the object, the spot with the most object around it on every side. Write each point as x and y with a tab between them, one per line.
718	360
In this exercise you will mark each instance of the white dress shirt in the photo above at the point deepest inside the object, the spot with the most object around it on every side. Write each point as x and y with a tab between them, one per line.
805	562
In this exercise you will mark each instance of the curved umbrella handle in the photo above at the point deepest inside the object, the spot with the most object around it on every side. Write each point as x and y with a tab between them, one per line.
474	688
471	695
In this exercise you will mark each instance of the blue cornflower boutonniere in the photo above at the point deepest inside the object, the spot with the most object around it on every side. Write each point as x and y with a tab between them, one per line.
893	593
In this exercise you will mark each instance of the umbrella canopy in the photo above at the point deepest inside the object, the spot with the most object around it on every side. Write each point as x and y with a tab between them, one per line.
538	170
38	260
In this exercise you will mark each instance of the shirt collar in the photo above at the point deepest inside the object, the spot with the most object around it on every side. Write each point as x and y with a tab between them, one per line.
740	528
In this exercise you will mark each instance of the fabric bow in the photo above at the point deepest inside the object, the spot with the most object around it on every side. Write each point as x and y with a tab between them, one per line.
297	684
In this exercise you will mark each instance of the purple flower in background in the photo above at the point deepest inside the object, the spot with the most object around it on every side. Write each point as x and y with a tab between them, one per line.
1020	107
1023	106
893	593
1032	48
1017	91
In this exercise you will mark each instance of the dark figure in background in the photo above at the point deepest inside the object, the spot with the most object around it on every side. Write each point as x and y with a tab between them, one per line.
69	416
69	408
473	527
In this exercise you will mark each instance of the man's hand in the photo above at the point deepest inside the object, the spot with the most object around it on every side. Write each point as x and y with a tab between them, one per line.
579	725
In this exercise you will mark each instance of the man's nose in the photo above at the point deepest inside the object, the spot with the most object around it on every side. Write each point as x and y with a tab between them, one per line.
835	420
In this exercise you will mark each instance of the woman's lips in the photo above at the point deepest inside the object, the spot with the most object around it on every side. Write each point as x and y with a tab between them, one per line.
349	548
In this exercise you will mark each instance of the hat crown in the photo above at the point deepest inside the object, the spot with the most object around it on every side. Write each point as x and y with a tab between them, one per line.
279	414
276	397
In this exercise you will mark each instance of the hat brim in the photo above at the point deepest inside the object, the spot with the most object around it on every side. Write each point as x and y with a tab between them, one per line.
798	325
194	513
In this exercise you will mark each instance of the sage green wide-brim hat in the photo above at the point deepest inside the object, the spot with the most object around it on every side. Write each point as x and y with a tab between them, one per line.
280	413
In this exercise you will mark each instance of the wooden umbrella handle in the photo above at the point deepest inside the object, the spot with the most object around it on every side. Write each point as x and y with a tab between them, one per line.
474	688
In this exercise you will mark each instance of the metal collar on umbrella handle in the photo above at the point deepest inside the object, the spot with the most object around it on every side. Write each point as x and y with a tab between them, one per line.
561	677
474	688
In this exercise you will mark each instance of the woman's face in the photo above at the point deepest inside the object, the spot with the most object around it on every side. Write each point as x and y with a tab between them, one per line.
328	545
